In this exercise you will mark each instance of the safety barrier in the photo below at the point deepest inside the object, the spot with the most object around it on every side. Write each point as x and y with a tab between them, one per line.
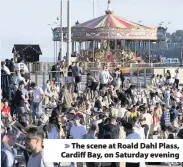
43	66
138	75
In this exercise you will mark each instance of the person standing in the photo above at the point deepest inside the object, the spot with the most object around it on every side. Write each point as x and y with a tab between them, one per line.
167	97
4	68
130	134
77	131
165	120
177	78
20	100
92	135
104	77
38	96
8	154
70	79
77	74
168	77
34	142
92	83
21	66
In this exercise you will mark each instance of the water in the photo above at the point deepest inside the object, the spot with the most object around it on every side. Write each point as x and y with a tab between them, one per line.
46	59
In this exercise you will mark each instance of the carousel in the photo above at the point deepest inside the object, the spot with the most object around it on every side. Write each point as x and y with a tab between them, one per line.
110	38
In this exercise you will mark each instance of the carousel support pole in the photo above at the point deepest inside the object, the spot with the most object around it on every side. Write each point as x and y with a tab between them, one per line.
131	72
138	75
72	47
149	51
135	48
115	43
79	48
56	52
108	50
93	50
75	47
145	79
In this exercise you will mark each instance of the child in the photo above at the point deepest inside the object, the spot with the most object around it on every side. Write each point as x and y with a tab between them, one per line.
5	111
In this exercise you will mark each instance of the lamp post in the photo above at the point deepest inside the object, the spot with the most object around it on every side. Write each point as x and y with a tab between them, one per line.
54	42
68	33
61	31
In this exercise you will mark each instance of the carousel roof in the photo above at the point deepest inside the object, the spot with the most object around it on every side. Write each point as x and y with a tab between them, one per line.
110	20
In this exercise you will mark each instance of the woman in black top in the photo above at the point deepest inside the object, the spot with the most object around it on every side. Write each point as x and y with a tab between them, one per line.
70	79
168	77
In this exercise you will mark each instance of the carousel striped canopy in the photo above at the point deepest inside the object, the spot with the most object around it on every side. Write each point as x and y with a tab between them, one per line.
110	21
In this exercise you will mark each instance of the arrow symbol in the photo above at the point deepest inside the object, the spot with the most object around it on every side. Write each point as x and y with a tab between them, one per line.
67	146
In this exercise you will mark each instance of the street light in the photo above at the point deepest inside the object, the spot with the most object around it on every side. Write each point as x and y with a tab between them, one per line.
54	24
61	32
69	33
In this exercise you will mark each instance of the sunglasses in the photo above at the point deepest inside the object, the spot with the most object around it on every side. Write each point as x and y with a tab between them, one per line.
30	138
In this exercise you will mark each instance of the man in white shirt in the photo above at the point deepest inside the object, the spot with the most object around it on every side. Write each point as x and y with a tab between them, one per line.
121	112
138	129
177	96
78	131
5	68
104	78
21	66
146	122
36	104
177	78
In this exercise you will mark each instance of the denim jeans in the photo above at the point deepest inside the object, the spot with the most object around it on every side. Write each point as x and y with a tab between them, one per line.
36	110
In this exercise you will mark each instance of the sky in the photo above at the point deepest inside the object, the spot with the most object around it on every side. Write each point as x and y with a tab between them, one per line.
26	21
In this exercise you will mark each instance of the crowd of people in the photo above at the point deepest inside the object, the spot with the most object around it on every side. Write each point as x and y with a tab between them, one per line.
108	107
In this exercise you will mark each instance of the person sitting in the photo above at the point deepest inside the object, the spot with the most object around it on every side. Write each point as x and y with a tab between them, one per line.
5	111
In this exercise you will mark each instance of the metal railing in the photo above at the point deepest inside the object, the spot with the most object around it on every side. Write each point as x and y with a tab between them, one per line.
41	67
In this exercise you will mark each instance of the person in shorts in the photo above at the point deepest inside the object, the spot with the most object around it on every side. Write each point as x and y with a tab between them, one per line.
77	74
92	84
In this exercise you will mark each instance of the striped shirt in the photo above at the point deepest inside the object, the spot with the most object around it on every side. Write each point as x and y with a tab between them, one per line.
165	118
